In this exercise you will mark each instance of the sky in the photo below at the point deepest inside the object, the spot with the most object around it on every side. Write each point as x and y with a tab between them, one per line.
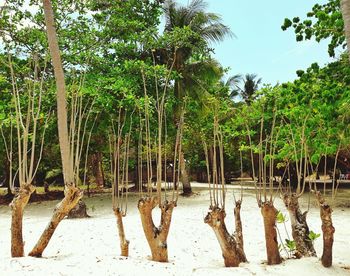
260	46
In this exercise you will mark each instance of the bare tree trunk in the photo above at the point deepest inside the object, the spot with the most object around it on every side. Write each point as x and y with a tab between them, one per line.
239	230
17	206
71	198
97	169
72	193
300	229
156	236
61	92
269	213
231	249
7	177
345	9
186	184
124	243
327	229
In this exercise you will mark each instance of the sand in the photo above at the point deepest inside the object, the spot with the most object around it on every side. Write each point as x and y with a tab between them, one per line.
91	247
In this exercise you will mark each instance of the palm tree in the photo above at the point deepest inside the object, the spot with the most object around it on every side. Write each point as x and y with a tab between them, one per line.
207	28
244	86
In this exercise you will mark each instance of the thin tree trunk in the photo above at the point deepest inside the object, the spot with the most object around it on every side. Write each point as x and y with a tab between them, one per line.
124	243
71	198
61	92
97	169
269	213
7	177
186	184
230	247
17	207
327	229
156	236
72	193
300	229
345	9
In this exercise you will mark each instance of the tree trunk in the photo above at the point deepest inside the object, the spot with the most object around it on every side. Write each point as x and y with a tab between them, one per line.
78	211
97	169
7	177
17	206
269	213
239	230
186	184
61	93
300	229
327	229
71	198
156	236
124	243
231	250
345	9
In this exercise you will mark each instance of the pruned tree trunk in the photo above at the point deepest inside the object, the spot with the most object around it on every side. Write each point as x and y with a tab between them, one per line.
300	229
186	184
156	236
71	198
17	206
327	230
232	251
269	213
239	230
124	243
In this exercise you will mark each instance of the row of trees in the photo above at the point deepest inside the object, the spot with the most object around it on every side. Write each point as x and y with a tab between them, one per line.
154	97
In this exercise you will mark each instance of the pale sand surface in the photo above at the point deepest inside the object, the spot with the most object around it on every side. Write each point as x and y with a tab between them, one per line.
91	246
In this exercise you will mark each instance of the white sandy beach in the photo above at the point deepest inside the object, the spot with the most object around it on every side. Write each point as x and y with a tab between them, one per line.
91	246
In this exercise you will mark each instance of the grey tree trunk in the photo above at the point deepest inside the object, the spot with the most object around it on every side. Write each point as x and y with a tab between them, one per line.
345	9
72	194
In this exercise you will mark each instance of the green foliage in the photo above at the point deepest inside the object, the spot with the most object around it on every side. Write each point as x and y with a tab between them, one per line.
313	236
280	217
291	245
323	22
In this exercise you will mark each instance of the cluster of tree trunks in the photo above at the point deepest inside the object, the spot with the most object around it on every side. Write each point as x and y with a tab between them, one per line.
156	236
231	245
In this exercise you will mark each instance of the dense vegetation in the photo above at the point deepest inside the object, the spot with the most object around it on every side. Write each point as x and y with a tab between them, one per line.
147	95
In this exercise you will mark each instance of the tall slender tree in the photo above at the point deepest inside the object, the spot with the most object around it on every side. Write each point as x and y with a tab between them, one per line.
72	193
206	27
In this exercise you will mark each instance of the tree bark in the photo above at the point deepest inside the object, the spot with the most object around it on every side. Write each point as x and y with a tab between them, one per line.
186	184
124	243
232	251
345	9
71	198
61	92
78	211
239	230
269	213
327	230
17	207
97	169
156	236
300	229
